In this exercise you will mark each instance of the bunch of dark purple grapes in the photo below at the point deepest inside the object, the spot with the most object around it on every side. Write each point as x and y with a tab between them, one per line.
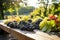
13	24
26	26
36	24
23	25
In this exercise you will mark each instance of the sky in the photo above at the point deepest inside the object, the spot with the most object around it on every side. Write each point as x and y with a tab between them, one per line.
34	3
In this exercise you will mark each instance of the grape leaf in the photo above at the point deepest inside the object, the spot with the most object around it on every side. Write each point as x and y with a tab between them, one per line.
44	28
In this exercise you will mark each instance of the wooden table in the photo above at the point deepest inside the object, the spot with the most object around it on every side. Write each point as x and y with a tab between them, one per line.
25	35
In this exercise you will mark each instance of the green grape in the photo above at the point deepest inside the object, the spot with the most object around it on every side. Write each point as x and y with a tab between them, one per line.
35	18
43	23
25	18
52	23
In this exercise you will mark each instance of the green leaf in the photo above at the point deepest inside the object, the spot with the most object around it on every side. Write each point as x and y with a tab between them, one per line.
52	23
44	28
49	29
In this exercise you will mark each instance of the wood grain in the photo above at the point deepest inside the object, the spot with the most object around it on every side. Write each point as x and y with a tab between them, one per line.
21	35
18	35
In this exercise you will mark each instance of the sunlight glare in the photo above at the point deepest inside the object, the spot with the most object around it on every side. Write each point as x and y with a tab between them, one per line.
33	3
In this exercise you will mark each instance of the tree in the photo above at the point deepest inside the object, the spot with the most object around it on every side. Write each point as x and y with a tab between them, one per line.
1	10
6	4
46	4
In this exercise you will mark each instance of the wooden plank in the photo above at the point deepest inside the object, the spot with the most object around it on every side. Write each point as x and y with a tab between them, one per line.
24	35
50	37
18	35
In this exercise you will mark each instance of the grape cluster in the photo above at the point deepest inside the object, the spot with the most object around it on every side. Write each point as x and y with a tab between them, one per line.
13	24
23	25
36	24
26	26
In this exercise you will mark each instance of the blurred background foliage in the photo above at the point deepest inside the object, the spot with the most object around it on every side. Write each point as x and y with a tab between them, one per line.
51	9
21	11
13	7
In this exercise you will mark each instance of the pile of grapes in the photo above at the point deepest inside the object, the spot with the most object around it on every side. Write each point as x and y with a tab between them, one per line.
46	24
23	24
